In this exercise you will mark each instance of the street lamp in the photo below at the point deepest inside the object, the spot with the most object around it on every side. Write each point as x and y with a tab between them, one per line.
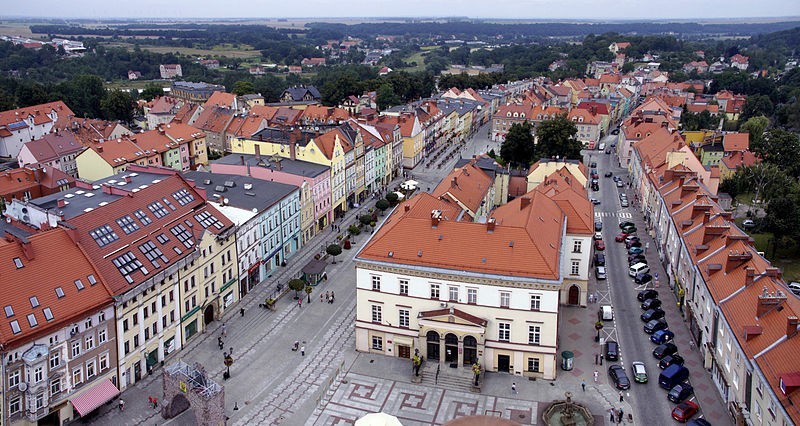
228	361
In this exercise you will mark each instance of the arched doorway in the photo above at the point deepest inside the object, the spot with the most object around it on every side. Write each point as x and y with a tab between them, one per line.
574	295
208	314
450	347
433	345
470	350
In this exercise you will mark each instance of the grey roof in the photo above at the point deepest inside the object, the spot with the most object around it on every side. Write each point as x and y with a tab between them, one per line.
245	192
13	230
281	136
298	92
193	85
294	167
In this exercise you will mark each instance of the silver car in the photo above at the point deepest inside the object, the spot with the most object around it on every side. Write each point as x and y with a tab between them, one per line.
600	272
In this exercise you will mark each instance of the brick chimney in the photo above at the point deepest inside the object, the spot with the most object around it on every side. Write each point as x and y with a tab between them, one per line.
791	326
128	179
736	258
490	225
258	151
106	188
61	202
730	239
293	138
768	301
241	160
454	182
407	208
773	272
749	276
524	202
436	217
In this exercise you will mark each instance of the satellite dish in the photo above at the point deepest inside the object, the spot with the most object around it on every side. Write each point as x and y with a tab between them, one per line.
226	201
23	387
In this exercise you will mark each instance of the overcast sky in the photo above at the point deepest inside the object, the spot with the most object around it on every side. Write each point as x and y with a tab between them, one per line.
545	9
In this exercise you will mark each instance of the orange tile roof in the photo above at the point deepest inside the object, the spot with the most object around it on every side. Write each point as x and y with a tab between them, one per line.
588	118
740	159
185	113
37	278
653	149
214	119
220	99
246	125
467	185
571	197
781	362
117	152
265	111
736	142
514	248
39	112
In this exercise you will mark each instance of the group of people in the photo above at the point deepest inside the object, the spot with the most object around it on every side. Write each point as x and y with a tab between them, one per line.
615	414
328	296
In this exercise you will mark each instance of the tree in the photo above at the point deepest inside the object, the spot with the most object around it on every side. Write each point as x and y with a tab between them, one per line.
755	127
334	250
297	284
353	230
365	219
518	148
756	105
392	198
118	105
309	290
151	91
386	96
781	148
243	87
84	94
382	205
556	138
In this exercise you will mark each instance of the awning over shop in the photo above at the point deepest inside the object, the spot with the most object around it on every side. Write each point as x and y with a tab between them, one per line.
96	396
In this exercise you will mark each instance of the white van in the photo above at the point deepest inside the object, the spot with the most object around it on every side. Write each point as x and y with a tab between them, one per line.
638	268
606	313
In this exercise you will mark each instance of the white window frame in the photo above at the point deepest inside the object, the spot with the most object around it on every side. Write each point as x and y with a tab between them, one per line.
77	372
377	343
453	293
76	348
55	359
536	302
504	332
404	287
472	296
13	378
505	299
38	374
89	342
404	318
377	313
91	369
376	283
577	246
535	335
435	291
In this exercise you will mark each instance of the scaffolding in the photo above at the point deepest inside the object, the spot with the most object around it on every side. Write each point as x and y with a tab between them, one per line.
195	379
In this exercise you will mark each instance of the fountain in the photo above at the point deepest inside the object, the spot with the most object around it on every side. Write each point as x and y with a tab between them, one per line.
567	413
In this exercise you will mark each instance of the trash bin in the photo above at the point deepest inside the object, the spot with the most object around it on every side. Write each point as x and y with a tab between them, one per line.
567	358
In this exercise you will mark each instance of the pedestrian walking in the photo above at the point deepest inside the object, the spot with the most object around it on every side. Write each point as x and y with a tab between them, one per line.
595	376
224	330
332	296
621	399
619	415
583	385
155	403
320	298
121	404
303	350
514	388
219	342
150	401
601	359
231	351
611	413
300	302
241	312
327	296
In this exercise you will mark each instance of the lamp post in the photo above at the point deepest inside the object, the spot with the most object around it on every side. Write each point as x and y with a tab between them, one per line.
228	361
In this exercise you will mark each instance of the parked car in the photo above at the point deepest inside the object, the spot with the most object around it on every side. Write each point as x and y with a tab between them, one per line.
612	350
651	304
599	245
621	237
618	376
639	372
608	174
594	201
680	392
623	225
665	349
616	178
643	278
624	203
684	411
635	250
598	225
630	229
636	258
662	336
634	243
794	287
600	259
619	184
593	165
652	314
600	272
615	132
654	325
668	360
631	238
748	224
595	175
647	294
698	422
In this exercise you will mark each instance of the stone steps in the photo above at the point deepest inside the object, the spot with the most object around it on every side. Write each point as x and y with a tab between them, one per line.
457	379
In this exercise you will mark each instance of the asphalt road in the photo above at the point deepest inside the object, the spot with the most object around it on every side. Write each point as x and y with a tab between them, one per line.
649	400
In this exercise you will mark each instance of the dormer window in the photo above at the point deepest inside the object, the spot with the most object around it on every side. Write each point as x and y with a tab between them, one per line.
18	263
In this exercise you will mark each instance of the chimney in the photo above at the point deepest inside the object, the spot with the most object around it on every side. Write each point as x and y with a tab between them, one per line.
749	276
61	203
706	217
407	208
730	239
454	182
436	217
258	152
241	159
100	148
791	326
773	272
768	301
27	250
524	202
490	225
106	188
736	258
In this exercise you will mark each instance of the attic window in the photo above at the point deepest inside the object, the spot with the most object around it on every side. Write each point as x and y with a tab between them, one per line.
9	311
15	327
18	263
104	235
34	302
183	196
32	320
92	279
127	224
158	209
59	292
171	207
48	314
79	285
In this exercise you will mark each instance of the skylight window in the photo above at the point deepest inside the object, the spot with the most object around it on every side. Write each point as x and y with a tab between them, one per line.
162	238
9	311
104	235
79	284
48	314
183	235
18	263
92	279
158	209
142	216
153	254
127	264
183	197
170	205
127	224
15	327
32	320
207	219
34	302
59	292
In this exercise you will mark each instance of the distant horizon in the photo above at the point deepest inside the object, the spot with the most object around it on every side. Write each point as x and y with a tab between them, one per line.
593	10
22	18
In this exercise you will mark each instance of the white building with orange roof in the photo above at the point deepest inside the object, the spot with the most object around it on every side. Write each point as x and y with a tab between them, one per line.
22	125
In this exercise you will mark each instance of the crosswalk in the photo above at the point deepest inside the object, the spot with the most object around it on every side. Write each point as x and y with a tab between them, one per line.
621	215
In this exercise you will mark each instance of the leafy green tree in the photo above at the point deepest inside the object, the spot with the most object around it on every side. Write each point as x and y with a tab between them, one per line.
518	148
783	216
242	87
756	105
386	96
780	148
151	91
297	285
309	289
84	94
334	250
392	198
118	105
382	205
556	138
755	127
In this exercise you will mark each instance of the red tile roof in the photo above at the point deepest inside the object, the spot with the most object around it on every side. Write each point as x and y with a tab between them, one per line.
740	159
467	185
736	142
37	278
39	112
